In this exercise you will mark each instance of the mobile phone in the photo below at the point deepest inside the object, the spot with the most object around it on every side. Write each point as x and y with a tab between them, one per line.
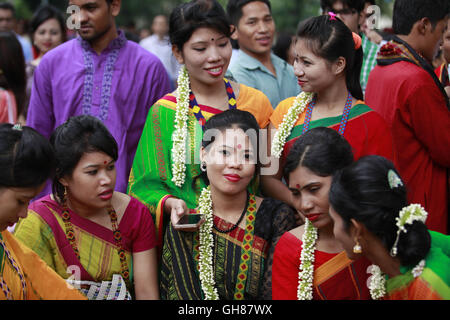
189	221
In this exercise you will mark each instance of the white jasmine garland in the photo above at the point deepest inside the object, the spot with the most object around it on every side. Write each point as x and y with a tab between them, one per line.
180	133
306	273
206	270
289	120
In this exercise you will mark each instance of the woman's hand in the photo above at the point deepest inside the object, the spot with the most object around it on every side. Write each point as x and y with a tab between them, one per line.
177	208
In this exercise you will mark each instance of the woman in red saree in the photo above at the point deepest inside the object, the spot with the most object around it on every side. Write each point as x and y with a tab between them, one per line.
313	159
327	64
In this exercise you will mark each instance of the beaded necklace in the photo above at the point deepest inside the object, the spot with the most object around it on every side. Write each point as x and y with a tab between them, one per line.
239	220
198	112
16	268
345	114
124	270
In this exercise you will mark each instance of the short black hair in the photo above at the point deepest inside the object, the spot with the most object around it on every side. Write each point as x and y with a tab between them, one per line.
27	158
74	138
358	5
362	192
8	6
281	47
322	150
234	9
408	12
190	16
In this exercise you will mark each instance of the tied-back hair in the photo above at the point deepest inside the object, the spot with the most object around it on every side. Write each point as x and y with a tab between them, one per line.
322	150
74	138
27	159
362	192
231	119
331	39
190	16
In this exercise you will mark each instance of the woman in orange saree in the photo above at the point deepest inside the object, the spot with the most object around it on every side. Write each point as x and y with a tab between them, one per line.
327	64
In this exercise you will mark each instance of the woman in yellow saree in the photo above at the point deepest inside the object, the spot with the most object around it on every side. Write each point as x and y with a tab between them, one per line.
102	240
26	162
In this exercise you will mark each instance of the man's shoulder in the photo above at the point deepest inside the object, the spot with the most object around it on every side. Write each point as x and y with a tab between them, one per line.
136	51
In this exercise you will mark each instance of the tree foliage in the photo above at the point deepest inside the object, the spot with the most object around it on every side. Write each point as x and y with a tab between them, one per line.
287	13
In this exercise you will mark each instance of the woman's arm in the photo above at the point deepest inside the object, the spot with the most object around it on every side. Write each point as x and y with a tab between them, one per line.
145	272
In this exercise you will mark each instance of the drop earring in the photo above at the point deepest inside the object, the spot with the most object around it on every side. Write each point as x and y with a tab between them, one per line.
357	248
203	166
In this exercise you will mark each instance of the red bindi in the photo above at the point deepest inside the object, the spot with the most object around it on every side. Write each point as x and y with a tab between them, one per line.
105	162
298	186
239	146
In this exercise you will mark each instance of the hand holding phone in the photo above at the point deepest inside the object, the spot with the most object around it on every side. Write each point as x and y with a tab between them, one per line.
190	222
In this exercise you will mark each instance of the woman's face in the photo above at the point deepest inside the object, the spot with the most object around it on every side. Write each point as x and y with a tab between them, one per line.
314	73
341	233
231	161
48	36
92	182
14	204
310	195
206	55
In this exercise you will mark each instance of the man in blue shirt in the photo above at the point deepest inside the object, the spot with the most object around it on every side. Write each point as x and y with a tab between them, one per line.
256	65
7	22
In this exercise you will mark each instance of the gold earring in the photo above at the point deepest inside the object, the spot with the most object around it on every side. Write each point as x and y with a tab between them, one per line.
357	248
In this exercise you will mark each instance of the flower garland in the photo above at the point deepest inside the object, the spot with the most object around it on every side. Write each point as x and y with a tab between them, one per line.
284	130
206	242
377	281
306	273
181	130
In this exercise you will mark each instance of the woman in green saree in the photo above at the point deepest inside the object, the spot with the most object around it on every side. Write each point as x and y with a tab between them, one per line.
166	159
230	256
372	218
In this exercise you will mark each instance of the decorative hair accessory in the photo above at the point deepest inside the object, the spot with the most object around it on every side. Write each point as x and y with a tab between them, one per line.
409	214
17	127
394	180
332	16
358	41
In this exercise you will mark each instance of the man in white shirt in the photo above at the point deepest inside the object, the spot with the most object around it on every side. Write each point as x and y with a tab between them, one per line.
159	44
